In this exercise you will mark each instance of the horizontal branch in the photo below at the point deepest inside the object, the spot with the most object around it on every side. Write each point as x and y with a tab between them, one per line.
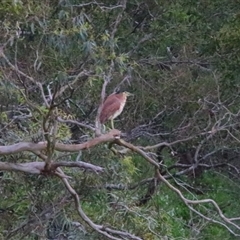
39	167
33	147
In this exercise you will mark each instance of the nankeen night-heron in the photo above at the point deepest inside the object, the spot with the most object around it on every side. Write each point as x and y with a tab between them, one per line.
113	107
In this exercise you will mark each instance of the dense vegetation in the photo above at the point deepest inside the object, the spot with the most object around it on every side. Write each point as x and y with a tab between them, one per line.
174	173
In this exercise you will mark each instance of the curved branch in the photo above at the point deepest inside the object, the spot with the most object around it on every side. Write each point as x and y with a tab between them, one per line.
33	147
187	202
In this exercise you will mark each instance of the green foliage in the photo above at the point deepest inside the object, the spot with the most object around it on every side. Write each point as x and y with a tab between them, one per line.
217	187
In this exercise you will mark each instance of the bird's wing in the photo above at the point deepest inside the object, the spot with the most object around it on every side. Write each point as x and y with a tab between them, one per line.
110	106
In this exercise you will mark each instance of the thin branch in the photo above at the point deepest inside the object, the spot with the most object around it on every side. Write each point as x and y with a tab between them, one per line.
125	187
100	5
126	78
76	123
33	220
168	144
71	84
84	4
15	68
190	167
144	39
118	20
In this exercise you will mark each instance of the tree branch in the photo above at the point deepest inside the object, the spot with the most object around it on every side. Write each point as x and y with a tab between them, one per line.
76	123
106	231
188	202
39	167
71	84
15	68
32	147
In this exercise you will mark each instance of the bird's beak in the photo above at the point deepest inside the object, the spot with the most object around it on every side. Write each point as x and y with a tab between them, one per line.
130	94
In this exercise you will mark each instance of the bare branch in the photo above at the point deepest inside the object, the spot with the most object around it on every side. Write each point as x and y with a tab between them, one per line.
168	144
32	221
119	18
15	68
83	165
126	187
100	5
32	167
144	39
39	167
84	4
76	123
71	84
33	147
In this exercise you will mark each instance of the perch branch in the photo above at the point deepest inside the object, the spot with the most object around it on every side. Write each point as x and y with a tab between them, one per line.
33	147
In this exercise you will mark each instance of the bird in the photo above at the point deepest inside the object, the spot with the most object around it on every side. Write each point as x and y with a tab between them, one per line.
113	106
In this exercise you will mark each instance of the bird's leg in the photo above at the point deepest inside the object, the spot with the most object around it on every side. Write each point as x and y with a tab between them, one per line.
103	128
112	125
